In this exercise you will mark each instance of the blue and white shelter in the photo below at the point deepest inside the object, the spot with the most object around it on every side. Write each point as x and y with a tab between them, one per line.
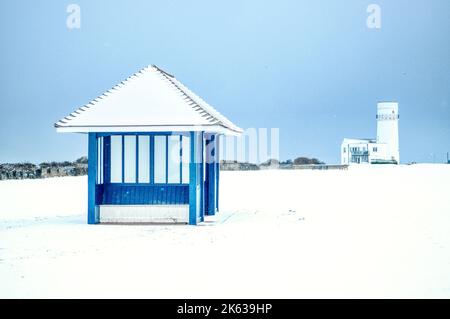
153	151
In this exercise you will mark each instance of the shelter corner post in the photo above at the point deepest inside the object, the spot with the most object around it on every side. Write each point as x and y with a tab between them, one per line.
93	217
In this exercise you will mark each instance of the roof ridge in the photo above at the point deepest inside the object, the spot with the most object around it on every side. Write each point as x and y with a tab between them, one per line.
188	96
161	70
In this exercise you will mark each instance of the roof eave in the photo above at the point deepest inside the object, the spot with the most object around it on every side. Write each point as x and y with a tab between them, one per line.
220	129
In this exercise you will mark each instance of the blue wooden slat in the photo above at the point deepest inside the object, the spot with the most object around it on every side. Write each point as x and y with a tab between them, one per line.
145	196
98	194
155	195
139	193
165	196
161	195
180	196
142	196
121	196
152	197
130	195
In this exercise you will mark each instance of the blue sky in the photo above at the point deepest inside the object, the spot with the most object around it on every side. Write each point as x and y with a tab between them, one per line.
311	68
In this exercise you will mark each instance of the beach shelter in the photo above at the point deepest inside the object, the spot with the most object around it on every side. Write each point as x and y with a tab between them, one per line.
153	152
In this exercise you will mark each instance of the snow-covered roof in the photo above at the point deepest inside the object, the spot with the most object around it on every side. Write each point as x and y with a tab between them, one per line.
150	100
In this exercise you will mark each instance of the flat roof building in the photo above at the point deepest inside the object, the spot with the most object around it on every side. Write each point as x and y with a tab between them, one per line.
382	150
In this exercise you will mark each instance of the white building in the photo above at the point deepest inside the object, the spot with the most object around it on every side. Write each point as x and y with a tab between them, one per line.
383	150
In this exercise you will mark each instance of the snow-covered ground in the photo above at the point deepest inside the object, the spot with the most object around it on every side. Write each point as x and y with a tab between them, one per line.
367	232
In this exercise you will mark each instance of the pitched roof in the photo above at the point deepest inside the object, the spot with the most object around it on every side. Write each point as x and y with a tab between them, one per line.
149	100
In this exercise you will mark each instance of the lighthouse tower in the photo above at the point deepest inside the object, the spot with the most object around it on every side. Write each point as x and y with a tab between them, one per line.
387	129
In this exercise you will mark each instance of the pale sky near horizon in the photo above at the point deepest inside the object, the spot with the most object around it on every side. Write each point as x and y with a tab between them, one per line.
313	69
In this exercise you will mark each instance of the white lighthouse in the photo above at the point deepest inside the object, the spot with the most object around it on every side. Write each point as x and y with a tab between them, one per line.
382	150
387	129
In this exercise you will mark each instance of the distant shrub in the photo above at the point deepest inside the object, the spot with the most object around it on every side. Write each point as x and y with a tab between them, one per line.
287	162
307	161
271	162
82	160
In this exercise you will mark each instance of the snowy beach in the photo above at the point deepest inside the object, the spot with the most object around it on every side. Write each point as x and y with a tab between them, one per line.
378	231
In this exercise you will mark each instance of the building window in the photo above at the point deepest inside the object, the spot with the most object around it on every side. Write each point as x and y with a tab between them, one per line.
144	159
160	159
129	159
204	156
174	159
375	149
185	158
116	159
345	150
